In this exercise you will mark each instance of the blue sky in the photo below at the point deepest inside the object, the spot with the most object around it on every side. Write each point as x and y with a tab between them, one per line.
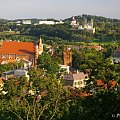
58	9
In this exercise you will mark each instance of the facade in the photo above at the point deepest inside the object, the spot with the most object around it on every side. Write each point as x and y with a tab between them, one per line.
14	51
77	80
67	57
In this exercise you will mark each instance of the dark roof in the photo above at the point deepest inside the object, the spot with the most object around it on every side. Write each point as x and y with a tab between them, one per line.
77	76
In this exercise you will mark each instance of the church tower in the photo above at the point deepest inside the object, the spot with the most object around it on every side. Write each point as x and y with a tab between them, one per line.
91	23
38	50
40	46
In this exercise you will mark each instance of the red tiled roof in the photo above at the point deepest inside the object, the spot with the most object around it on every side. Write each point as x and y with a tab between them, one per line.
14	47
117	49
99	82
112	83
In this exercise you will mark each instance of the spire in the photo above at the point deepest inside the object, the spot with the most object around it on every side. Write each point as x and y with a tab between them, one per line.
40	41
40	47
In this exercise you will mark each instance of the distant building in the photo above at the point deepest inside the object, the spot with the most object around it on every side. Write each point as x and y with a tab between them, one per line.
67	57
116	55
77	80
79	47
13	51
46	22
88	26
27	22
15	73
60	22
74	23
96	47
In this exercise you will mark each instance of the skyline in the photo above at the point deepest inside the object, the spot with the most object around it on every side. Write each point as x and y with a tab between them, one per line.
26	9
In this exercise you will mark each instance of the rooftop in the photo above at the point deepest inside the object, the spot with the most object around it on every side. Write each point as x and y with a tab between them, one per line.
14	47
77	76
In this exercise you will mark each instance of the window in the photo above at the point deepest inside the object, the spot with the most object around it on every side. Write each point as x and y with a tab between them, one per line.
10	58
75	83
81	82
17	58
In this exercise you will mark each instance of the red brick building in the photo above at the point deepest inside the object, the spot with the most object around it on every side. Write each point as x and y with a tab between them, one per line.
13	51
67	57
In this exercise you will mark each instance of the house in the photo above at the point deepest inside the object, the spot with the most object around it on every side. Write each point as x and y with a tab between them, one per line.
77	80
15	73
116	55
14	51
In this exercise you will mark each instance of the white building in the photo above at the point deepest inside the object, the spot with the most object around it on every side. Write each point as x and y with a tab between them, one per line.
77	80
74	22
46	22
88	26
60	22
27	22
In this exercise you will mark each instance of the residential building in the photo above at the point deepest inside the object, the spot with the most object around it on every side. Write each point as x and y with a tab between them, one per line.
77	80
15	73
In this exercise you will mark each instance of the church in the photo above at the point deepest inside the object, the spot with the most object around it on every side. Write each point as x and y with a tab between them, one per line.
14	51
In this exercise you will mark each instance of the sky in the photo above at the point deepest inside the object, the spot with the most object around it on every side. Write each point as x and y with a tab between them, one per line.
58	9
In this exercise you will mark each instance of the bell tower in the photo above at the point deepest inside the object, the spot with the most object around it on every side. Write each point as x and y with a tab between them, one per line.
38	50
67	57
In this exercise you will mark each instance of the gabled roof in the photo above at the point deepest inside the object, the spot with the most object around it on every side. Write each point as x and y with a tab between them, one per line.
77	76
14	47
